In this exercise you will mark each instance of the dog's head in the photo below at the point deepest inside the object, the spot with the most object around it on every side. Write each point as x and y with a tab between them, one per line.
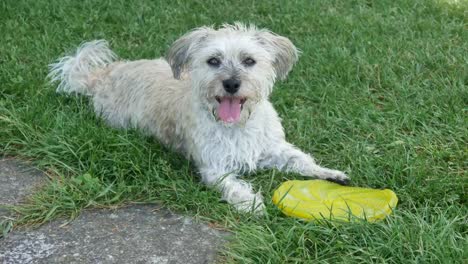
231	68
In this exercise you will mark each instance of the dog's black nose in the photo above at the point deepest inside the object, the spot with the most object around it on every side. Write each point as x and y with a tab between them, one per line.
231	85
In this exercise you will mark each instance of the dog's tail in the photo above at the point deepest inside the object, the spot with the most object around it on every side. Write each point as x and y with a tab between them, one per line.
74	72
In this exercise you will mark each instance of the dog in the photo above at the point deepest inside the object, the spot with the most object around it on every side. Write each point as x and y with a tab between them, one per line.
207	99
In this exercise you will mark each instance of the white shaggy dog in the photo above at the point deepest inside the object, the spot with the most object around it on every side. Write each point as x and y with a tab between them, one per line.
208	99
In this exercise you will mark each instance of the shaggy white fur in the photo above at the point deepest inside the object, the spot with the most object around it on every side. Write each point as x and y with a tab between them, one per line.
208	99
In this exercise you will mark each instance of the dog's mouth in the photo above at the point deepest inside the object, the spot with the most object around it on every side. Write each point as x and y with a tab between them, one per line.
229	108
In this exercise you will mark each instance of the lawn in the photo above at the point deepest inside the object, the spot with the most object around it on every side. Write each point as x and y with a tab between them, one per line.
380	91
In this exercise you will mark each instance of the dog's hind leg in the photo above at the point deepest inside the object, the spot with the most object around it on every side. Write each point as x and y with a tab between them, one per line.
287	158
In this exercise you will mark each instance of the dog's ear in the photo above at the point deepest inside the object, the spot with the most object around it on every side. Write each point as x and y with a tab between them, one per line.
284	52
180	53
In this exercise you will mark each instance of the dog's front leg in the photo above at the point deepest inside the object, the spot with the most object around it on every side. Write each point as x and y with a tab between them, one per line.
235	191
286	157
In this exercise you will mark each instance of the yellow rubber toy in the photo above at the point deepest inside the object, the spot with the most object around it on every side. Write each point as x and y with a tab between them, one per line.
320	199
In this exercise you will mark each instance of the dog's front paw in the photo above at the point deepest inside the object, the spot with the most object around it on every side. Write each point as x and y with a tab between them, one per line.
338	177
253	205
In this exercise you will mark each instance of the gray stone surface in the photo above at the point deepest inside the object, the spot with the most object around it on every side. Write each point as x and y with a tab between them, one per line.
17	180
137	234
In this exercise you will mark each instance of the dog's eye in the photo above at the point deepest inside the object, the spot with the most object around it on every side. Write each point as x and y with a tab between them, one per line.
249	62
214	62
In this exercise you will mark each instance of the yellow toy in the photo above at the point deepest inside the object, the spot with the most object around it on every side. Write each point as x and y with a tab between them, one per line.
320	199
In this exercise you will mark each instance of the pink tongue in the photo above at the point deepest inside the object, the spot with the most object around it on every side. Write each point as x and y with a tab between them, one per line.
229	109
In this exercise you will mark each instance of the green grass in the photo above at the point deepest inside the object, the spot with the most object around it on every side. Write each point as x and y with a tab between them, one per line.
380	91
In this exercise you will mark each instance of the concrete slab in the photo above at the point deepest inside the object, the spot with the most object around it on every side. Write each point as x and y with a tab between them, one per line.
17	180
137	234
